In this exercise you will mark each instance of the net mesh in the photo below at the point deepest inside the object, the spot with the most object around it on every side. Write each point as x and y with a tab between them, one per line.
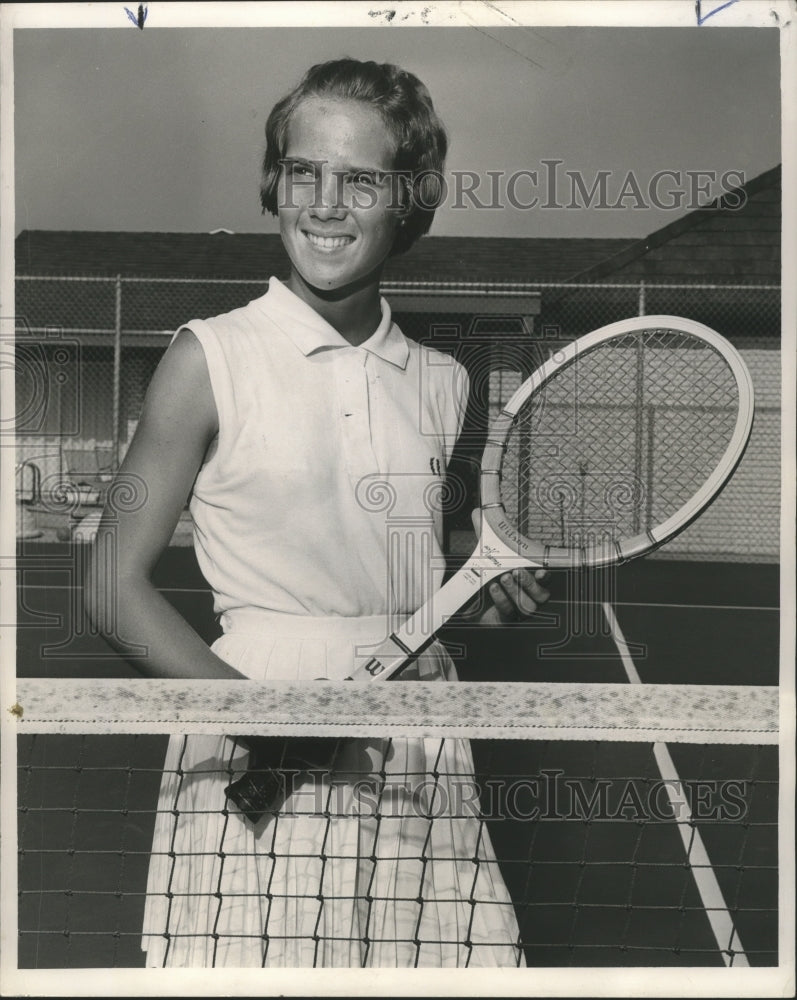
617	441
562	852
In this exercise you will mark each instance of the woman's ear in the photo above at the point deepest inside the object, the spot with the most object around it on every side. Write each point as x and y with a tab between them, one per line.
404	191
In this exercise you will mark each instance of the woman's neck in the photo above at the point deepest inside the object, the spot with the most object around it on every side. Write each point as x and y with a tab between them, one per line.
354	311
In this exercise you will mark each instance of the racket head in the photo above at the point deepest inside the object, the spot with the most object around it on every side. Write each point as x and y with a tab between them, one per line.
617	442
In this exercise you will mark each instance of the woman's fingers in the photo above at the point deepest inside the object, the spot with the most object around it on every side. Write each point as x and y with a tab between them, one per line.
502	598
518	594
532	584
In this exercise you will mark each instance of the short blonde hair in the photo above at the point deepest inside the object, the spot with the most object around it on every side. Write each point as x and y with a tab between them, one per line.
408	112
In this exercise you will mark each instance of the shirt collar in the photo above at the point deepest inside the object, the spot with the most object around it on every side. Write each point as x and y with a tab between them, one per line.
310	332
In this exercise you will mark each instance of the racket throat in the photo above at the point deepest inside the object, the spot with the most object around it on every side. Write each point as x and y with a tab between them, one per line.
490	560
403	645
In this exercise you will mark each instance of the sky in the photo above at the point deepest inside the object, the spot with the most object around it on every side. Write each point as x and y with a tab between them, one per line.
162	129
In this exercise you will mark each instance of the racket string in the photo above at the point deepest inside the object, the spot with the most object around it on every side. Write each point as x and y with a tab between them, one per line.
619	440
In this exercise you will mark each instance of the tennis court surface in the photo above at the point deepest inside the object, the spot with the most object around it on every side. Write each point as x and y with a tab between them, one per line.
615	851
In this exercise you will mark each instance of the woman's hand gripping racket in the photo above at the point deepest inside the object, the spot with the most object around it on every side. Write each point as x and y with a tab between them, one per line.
612	447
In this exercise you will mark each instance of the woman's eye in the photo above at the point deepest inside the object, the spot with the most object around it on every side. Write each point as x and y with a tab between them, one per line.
300	169
362	177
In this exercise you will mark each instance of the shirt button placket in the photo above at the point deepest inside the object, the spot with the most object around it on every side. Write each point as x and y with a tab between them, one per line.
355	414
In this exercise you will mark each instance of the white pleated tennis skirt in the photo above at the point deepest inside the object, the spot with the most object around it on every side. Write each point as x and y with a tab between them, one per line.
335	878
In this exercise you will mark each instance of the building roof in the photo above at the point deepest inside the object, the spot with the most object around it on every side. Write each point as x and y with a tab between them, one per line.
736	238
255	256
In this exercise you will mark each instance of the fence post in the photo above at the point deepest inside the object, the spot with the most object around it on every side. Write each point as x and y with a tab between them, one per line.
117	369
641	298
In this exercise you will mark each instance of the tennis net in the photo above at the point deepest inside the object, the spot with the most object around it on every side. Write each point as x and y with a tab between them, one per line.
593	825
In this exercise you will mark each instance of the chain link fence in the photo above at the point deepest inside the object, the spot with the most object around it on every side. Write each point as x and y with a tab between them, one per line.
86	349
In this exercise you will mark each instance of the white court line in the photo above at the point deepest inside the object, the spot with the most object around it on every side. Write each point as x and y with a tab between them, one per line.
711	896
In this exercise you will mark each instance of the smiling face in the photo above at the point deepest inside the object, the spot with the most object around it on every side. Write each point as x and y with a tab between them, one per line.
337	214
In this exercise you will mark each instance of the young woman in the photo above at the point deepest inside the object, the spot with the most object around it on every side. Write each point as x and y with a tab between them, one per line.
276	419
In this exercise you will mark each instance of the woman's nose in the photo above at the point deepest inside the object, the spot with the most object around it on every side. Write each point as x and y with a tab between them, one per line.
329	201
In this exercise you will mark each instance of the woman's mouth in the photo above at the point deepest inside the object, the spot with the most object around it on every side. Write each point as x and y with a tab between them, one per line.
328	242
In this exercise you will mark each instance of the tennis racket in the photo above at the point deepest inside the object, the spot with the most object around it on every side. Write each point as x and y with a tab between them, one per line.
611	448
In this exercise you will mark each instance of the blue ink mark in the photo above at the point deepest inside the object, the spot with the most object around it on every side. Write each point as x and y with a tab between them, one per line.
140	19
701	19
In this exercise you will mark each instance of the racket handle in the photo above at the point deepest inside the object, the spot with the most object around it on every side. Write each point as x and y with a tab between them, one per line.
417	632
491	558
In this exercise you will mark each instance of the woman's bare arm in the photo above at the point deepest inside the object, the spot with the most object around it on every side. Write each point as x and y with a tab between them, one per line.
177	424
